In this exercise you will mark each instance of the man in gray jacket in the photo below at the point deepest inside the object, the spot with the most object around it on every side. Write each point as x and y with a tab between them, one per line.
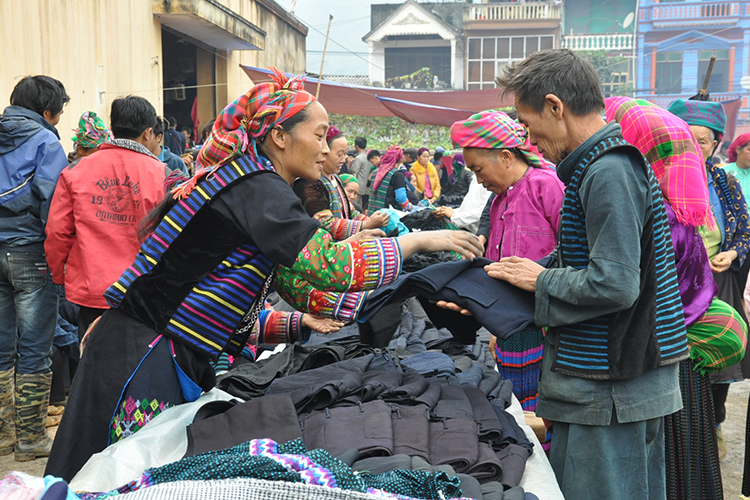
360	168
608	294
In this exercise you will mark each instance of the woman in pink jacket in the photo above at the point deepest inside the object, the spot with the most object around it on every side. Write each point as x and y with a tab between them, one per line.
525	216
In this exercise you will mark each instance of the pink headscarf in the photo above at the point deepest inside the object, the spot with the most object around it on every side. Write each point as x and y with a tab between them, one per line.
388	162
738	143
668	144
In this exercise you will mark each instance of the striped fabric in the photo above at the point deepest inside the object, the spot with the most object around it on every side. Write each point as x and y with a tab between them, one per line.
718	339
585	347
380	195
668	144
209	315
342	220
520	361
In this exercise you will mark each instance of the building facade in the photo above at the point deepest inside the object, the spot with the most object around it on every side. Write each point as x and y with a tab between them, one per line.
174	53
676	40
465	45
608	26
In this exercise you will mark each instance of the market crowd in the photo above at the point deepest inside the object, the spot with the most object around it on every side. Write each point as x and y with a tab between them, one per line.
144	263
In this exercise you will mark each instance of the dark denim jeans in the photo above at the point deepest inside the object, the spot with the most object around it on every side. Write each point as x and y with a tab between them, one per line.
28	309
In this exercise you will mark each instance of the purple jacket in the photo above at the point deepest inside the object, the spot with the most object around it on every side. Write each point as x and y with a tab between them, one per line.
697	285
526	218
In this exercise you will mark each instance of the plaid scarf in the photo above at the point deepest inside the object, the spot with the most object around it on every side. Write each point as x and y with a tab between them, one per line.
495	130
670	147
246	121
718	339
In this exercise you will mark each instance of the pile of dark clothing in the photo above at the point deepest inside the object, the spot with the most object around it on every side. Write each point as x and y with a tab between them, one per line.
425	401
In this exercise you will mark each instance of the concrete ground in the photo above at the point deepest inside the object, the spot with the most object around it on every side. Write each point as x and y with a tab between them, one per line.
731	466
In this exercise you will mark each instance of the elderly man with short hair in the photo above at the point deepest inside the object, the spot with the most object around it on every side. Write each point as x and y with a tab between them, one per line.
608	294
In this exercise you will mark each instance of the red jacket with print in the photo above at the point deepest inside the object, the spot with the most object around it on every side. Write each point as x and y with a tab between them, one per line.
93	221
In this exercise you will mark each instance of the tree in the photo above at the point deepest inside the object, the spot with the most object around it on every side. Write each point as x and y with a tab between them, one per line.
605	66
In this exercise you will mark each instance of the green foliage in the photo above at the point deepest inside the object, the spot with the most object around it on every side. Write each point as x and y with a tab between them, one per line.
382	132
420	79
603	63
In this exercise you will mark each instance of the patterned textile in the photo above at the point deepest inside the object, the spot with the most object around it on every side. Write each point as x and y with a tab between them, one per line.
231	289
589	348
298	292
520	361
379	197
718	339
342	220
388	162
243	489
738	143
670	147
245	121
333	133
133	146
292	462
736	217
494	130
691	456
91	131
132	415
703	113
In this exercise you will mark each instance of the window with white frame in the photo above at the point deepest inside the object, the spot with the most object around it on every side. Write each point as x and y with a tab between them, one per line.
488	56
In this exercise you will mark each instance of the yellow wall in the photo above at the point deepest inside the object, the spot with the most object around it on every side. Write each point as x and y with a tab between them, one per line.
103	49
86	45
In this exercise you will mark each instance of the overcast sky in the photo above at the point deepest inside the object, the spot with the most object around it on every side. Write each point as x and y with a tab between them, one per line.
351	21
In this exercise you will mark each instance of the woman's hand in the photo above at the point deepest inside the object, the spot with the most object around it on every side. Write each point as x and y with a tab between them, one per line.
322	325
376	220
723	261
446	212
516	271
483	241
446	240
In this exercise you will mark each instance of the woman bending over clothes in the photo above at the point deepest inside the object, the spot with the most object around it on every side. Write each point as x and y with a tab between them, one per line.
325	199
200	279
525	217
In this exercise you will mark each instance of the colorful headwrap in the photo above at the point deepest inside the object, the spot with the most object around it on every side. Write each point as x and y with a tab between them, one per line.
246	121
738	143
447	163
388	162
91	131
703	113
670	147
333	133
420	151
347	178
495	130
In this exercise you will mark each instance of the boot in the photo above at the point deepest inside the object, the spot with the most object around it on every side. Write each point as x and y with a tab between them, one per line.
7	432
32	399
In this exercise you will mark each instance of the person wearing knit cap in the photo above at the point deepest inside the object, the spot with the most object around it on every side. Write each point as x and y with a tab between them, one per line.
90	134
525	217
739	161
210	252
325	199
351	186
726	237
428	180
